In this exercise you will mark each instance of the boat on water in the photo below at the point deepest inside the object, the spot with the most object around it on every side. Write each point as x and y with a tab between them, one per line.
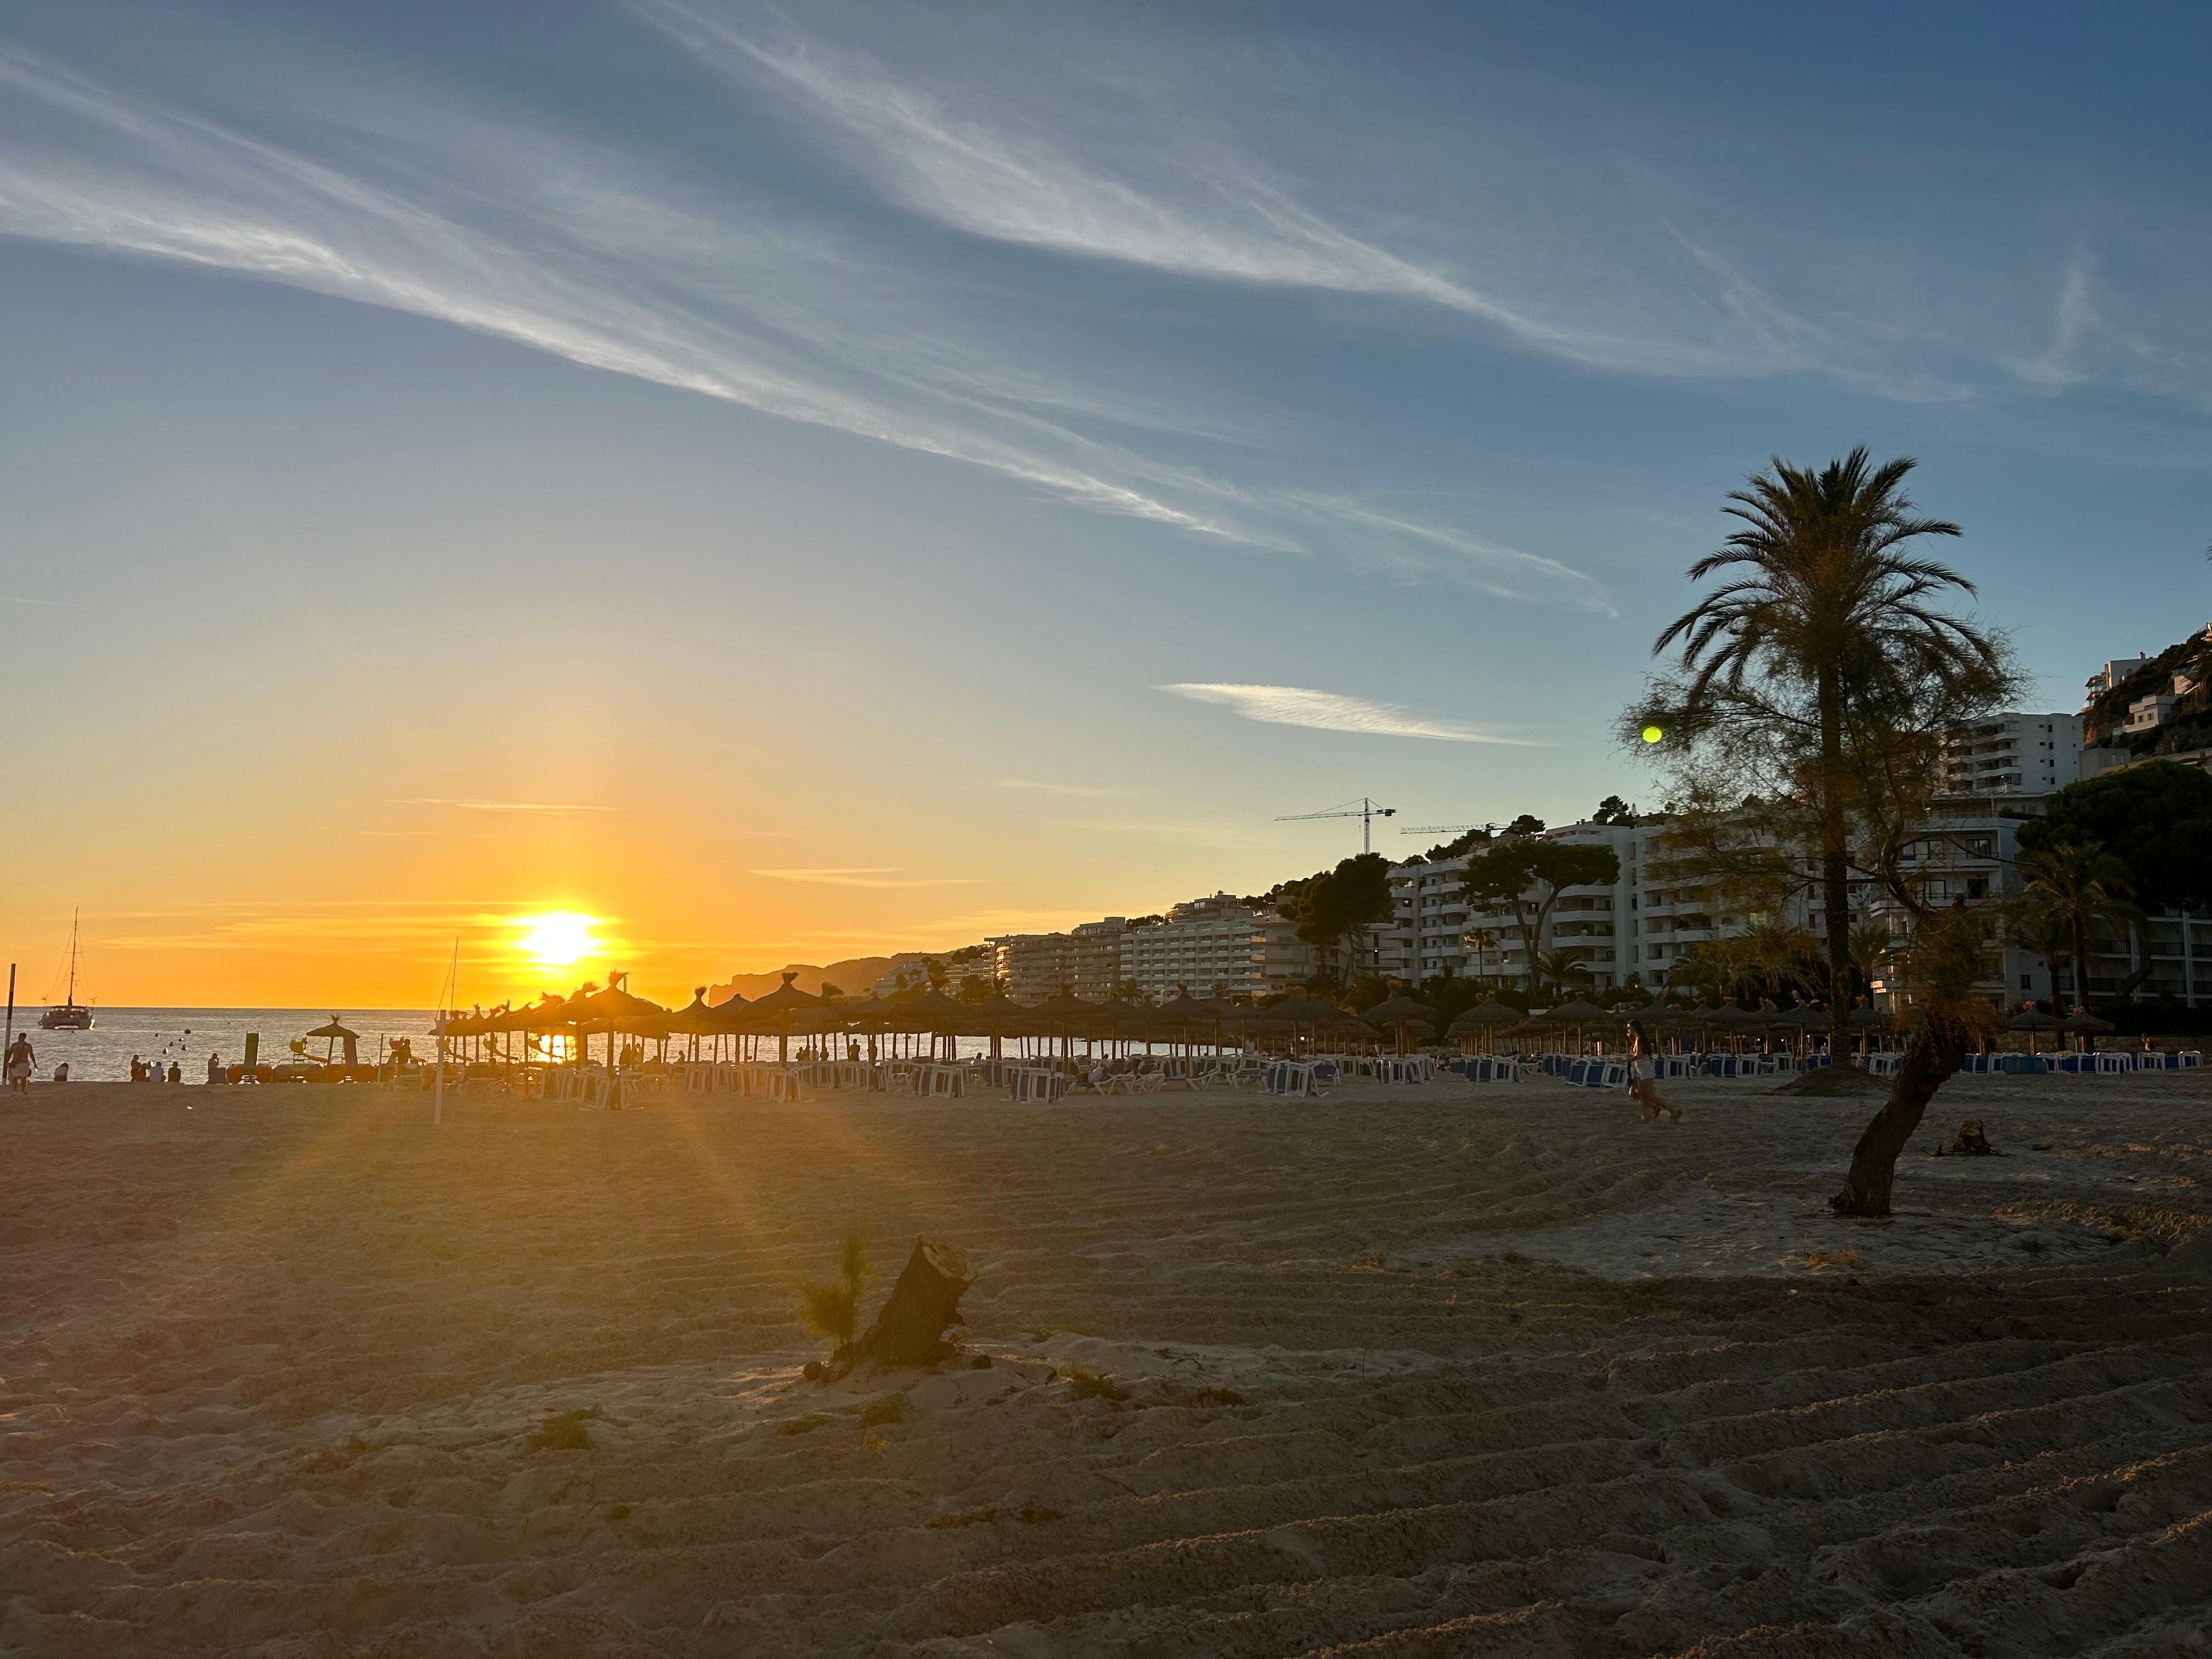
69	1015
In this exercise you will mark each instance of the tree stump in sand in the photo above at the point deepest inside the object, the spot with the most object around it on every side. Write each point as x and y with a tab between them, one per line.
909	1330
1970	1142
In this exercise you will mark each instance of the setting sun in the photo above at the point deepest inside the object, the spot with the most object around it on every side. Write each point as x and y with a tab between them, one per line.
558	939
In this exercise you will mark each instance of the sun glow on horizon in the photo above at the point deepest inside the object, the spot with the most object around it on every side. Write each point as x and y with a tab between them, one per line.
558	939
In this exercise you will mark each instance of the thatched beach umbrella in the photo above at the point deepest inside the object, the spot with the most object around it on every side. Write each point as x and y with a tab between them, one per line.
1065	1016
932	1012
1190	1016
1312	1012
1578	1012
1398	1012
2032	1021
2086	1025
784	1009
1487	1017
611	1009
333	1030
997	1017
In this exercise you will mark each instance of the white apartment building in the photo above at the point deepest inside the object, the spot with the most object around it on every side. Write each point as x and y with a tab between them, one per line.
2013	754
1208	944
1434	931
1086	959
1427	935
1280	959
1967	854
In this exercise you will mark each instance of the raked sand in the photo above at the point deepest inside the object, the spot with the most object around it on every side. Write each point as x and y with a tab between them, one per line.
1436	1371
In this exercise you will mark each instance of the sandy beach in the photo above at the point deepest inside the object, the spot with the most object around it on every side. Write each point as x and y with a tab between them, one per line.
1436	1372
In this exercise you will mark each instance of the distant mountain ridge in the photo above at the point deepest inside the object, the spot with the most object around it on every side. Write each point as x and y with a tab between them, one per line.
853	976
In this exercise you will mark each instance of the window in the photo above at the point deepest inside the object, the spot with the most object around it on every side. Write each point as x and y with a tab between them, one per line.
2027	981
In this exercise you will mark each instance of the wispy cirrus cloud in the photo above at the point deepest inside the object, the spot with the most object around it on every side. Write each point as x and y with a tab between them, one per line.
48	605
1587	263
697	282
1330	711
885	875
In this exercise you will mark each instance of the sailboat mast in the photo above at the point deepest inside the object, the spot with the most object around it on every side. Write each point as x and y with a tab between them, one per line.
72	989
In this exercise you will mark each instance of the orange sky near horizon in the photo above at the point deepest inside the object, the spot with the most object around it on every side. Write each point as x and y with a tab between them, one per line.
375	924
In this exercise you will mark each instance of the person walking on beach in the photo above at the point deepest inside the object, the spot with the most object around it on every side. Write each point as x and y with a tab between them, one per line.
1644	1076
19	1061
215	1073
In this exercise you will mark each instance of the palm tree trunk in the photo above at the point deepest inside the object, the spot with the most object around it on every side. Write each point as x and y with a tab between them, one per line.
1928	1063
2080	925
1835	872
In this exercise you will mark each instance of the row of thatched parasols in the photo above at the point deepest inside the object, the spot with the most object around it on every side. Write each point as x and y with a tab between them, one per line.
788	1011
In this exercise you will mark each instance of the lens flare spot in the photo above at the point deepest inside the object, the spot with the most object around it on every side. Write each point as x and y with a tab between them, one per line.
1652	734
558	939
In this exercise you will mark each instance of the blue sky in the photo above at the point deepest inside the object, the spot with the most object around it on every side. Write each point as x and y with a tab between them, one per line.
838	429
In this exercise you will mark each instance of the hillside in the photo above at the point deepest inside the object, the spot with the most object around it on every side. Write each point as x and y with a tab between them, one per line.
2190	724
852	975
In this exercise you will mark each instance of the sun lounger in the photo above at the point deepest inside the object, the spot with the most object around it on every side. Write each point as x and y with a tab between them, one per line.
1028	1084
940	1082
1293	1078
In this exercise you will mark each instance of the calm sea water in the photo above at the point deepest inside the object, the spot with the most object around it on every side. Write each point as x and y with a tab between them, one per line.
189	1035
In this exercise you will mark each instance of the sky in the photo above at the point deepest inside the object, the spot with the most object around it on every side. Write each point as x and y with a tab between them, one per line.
791	482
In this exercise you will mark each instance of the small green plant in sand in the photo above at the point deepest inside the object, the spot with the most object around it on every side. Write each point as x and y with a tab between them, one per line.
2033	1245
890	1409
832	1311
806	1425
1088	1385
564	1431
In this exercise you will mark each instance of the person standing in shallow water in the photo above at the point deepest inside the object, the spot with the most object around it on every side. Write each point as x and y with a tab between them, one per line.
1644	1076
20	1060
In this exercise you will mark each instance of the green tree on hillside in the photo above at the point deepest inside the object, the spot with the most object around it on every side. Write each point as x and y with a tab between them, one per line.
2156	817
1339	904
1526	877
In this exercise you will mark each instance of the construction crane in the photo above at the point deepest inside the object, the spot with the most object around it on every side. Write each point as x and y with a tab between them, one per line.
1450	828
1363	809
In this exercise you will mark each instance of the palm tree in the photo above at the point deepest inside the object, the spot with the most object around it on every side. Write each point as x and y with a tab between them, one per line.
1778	953
2077	886
1869	947
1825	625
1557	968
2034	926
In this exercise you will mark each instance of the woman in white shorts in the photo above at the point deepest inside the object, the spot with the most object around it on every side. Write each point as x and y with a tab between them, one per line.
1643	1077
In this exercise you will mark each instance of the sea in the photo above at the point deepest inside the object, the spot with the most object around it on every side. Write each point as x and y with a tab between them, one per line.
189	1035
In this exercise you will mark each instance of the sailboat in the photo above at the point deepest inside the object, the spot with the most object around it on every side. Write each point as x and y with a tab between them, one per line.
72	1015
